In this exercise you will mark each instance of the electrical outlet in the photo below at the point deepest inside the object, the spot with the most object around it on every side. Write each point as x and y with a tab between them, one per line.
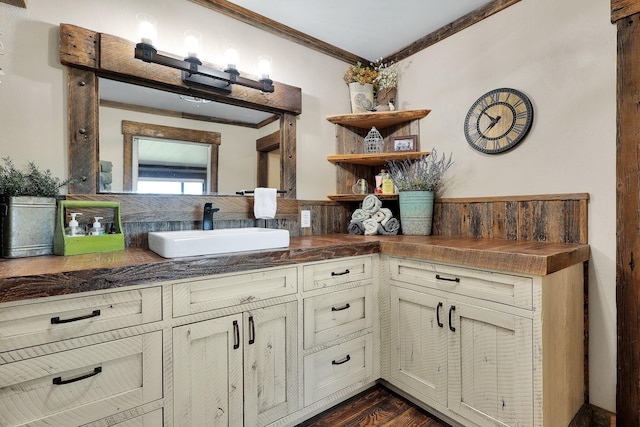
305	219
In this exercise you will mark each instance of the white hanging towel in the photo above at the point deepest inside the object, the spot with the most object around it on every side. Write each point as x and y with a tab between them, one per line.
264	203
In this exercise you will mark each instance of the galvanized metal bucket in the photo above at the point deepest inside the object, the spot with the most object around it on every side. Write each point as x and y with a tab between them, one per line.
27	226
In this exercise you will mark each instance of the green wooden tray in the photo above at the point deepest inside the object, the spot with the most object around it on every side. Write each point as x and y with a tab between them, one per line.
74	245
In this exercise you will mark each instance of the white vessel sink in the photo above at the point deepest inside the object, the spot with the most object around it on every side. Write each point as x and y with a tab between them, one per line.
174	244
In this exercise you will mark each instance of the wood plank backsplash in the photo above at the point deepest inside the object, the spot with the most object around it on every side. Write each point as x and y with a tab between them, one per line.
545	218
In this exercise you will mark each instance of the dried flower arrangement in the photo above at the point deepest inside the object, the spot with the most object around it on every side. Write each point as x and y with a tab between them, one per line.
359	74
29	182
388	75
425	173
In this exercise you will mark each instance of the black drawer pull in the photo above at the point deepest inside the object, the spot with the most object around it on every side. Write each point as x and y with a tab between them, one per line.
438	315
439	277
341	308
345	360
56	320
252	330
236	331
60	381
333	273
451	310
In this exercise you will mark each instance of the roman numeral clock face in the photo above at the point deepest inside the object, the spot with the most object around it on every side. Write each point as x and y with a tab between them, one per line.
498	120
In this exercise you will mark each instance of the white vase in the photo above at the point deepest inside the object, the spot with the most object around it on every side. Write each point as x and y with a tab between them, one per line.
361	97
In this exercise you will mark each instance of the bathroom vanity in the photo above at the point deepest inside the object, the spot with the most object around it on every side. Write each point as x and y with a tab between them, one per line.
481	331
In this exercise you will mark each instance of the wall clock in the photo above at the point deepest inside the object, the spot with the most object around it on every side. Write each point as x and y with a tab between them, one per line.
498	120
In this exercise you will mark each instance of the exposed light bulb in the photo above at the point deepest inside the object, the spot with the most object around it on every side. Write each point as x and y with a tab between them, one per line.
192	43
231	56
147	28
264	66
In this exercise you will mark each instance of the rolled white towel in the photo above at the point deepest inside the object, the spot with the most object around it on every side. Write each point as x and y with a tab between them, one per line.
378	216
387	215
360	215
370	227
371	204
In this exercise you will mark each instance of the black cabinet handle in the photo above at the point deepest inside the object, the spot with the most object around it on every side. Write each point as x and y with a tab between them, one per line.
345	360
60	381
451	310
252	330
236	331
340	308
333	273
439	277
438	315
56	320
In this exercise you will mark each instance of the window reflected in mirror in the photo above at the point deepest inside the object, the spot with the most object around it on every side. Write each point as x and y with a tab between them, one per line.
170	167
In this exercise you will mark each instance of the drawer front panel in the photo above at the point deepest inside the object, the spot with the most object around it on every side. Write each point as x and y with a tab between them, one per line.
84	384
337	367
47	321
228	290
151	419
337	272
334	315
516	291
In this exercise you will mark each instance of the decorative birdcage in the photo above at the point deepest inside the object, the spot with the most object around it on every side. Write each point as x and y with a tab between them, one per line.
373	142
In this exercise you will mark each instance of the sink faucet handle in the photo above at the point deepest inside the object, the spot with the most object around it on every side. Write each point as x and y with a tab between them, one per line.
207	217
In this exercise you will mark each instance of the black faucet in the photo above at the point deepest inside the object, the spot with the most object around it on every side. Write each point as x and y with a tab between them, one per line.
207	217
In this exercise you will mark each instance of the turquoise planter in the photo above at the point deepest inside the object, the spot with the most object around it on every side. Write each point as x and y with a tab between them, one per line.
416	212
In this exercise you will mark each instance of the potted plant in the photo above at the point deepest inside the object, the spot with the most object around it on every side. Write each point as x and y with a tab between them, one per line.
27	210
386	85
360	80
417	182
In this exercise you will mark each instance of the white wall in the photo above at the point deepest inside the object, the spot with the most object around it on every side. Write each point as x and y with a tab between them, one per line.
562	54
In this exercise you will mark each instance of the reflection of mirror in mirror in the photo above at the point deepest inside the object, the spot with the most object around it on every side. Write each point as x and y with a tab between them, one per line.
170	167
238	127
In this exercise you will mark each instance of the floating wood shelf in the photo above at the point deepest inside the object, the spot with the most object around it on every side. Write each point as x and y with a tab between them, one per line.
359	197
380	119
375	159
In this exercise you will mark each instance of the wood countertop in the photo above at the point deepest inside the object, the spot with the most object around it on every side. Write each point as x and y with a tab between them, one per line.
43	276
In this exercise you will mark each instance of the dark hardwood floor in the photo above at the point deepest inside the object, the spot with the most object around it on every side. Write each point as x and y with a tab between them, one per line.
376	406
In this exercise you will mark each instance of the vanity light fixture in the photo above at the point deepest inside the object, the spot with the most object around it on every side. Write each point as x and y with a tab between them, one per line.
193	72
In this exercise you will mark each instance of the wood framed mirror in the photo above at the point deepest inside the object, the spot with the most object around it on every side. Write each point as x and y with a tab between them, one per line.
90	55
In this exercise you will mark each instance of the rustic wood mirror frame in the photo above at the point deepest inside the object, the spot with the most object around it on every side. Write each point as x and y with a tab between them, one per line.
90	55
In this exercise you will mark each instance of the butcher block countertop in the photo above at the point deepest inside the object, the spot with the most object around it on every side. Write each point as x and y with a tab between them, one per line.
43	276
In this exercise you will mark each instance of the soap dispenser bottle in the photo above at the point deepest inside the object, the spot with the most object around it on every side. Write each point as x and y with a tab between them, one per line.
74	230
97	229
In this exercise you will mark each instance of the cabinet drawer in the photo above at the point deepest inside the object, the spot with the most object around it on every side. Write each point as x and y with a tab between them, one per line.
497	287
225	290
331	316
337	367
337	272
82	385
49	320
151	419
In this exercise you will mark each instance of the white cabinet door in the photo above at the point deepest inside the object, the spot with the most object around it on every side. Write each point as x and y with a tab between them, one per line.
418	332
207	373
270	350
490	366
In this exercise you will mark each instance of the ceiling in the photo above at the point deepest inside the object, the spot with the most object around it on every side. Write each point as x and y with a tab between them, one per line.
373	29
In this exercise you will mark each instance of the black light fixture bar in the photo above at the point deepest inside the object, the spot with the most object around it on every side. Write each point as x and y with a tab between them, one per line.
195	73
